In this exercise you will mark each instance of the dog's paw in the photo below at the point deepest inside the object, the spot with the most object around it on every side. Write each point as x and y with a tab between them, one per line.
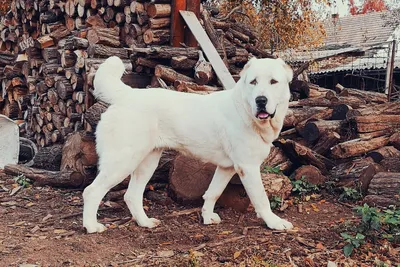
149	223
95	228
212	218
279	224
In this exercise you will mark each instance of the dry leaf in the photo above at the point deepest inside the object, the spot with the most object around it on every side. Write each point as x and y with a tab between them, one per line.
151	188
35	229
236	254
59	231
225	233
165	253
30	204
314	207
320	246
48	216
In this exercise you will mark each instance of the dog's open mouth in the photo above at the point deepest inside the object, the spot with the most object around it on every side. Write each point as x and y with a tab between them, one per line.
263	115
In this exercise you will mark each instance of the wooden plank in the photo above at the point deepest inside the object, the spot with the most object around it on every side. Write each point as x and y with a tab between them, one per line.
177	23
218	65
194	6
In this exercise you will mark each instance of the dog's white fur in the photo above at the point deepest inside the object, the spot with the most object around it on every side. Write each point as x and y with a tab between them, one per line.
221	128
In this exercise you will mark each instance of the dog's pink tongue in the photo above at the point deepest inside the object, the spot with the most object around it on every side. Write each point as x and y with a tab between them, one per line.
263	115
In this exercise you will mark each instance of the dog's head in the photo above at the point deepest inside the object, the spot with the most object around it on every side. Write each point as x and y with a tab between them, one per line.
112	66
265	85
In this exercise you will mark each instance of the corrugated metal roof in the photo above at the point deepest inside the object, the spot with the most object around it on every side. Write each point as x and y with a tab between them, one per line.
293	56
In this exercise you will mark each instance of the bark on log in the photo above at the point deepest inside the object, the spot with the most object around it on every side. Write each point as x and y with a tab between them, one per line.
166	52
314	129
169	75
64	179
326	142
395	140
98	50
391	164
384	152
354	173
383	188
92	115
357	147
299	154
48	158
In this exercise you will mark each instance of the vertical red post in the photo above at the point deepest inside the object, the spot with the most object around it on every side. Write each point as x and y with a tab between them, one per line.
177	23
194	6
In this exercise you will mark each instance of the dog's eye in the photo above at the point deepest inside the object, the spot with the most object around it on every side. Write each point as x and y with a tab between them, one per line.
253	82
273	81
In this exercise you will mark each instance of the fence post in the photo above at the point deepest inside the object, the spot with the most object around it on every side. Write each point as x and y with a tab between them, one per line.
389	70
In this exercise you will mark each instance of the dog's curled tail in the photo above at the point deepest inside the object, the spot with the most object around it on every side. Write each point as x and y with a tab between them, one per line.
108	86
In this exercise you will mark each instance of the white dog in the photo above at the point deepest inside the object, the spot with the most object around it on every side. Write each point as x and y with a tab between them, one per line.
233	129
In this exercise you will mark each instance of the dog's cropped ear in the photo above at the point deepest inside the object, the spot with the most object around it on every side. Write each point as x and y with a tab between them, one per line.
247	66
288	70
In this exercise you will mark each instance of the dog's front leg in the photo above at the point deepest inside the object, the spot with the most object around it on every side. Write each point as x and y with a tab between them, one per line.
221	178
251	179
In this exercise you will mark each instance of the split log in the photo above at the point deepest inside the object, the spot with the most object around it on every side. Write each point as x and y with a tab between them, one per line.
159	23
384	152
182	63
355	173
383	189
170	75
64	179
159	10
357	147
48	158
203	70
105	36
156	37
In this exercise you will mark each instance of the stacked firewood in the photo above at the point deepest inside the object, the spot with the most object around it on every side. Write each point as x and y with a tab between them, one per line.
62	43
350	136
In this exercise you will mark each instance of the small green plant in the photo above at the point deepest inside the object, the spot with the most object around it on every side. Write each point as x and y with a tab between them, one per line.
350	194
275	202
352	242
22	180
375	224
303	187
269	169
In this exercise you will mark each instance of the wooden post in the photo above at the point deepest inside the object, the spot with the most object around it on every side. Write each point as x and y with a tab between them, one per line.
194	6
391	67
177	23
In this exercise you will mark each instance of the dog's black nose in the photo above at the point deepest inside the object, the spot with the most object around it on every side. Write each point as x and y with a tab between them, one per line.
261	101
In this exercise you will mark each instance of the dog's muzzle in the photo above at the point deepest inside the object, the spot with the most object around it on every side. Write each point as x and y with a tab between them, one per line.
261	103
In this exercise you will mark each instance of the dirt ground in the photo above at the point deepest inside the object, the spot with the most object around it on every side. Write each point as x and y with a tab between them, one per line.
43	226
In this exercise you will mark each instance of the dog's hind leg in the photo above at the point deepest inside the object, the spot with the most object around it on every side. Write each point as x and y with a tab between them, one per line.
221	178
134	195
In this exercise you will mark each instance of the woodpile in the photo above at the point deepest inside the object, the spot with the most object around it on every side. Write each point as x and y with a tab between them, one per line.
50	51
